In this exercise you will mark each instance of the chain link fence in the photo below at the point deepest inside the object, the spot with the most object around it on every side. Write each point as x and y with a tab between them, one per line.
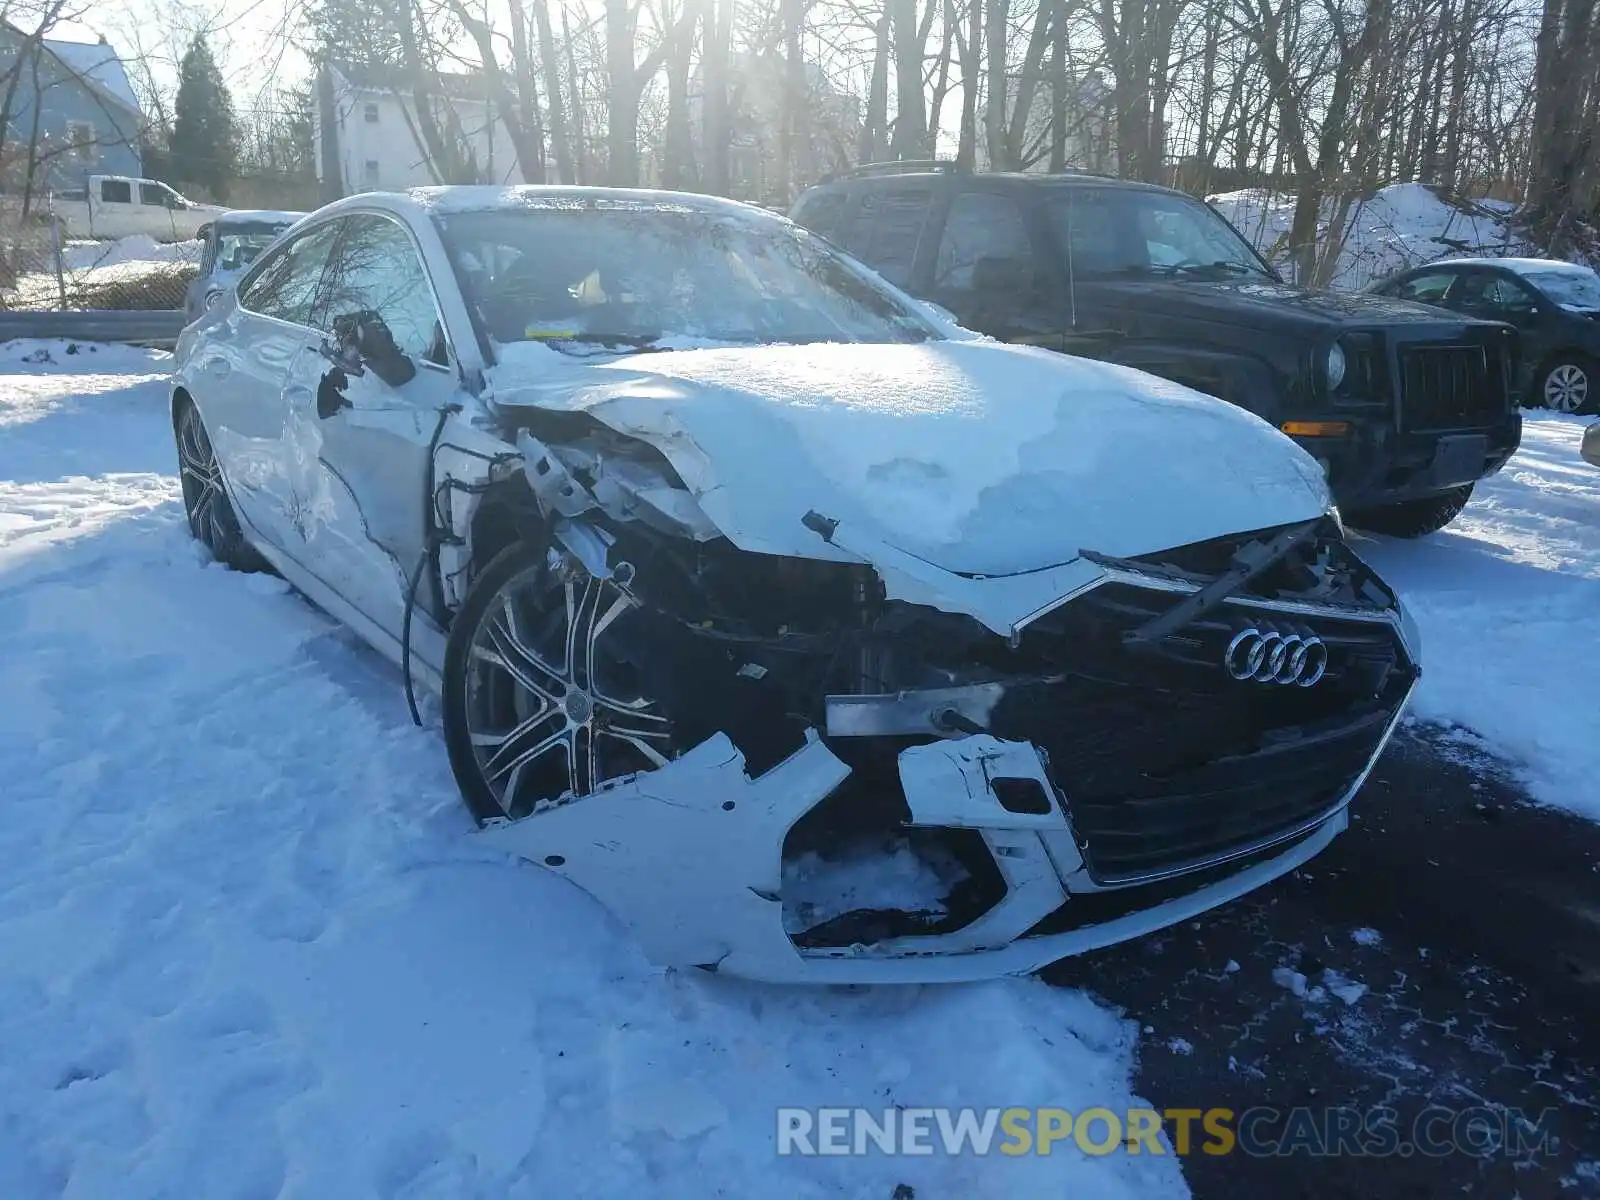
40	271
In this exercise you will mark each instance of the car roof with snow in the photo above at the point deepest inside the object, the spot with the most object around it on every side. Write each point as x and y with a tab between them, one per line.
445	200
942	169
257	216
1521	266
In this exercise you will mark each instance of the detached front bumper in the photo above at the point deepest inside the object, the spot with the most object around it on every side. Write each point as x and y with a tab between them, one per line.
1369	463
690	859
1086	841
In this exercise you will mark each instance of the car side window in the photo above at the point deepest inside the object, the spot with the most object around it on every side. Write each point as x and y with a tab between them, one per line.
1492	294
1428	288
116	191
376	268
820	212
981	225
286	284
887	230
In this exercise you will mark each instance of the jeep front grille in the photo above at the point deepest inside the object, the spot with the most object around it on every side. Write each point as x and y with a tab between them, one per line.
1448	387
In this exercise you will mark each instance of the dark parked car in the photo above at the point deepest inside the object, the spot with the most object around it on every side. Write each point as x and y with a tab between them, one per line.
1406	406
1554	305
1591	444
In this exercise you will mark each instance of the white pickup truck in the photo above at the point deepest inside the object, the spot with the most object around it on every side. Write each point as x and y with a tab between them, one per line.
116	206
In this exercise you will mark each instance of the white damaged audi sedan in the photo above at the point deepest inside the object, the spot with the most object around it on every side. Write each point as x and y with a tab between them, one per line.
816	637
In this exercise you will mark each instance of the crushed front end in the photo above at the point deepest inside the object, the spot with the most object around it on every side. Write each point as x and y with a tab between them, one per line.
884	790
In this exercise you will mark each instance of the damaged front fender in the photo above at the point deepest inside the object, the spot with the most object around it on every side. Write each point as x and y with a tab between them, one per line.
690	856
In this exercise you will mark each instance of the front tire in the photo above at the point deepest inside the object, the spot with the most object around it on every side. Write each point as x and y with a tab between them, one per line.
1567	384
212	521
543	702
1412	518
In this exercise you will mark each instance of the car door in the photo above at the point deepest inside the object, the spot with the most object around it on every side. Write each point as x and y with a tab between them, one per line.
886	229
155	213
1492	294
1430	286
361	446
990	271
1099	244
194	295
240	368
111	211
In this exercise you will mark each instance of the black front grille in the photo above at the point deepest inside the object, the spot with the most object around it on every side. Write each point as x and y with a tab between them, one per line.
1166	761
1449	387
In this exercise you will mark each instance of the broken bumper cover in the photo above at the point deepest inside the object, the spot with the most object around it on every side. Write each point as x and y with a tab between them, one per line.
690	858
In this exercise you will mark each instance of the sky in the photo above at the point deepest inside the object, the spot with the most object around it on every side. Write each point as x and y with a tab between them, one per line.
251	39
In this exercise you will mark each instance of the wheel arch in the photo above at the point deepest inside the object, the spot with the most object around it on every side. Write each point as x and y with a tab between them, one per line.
506	513
175	404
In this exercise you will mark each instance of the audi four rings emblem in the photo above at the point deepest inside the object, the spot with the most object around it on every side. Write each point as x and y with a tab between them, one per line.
1267	656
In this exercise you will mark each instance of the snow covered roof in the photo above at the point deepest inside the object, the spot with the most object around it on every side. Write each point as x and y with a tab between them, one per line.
484	197
257	216
456	85
98	63
1520	266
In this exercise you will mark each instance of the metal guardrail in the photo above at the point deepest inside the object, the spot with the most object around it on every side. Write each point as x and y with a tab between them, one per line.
157	326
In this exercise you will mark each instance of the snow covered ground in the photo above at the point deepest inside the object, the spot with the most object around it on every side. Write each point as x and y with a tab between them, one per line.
251	948
1508	599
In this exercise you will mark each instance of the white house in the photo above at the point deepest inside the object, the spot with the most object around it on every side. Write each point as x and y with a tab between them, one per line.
376	141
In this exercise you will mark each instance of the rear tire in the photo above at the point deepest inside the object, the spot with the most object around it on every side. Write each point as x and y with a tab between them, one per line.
212	521
1568	383
1412	518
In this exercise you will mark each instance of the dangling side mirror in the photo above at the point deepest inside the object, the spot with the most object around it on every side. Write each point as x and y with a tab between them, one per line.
362	341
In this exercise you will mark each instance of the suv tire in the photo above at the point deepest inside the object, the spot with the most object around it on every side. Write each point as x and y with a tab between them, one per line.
1413	518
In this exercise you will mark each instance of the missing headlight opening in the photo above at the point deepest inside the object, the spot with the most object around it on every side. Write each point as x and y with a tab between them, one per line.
1105	765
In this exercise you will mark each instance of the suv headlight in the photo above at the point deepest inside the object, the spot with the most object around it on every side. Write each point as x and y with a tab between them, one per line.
1336	367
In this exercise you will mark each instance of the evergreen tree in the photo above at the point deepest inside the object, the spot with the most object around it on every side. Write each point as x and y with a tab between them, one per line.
357	33
205	136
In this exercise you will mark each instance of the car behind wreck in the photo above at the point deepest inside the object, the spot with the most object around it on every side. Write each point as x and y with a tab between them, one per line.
814	636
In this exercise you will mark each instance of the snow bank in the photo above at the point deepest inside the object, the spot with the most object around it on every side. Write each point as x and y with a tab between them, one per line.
95	274
251	948
1401	225
139	247
1508	601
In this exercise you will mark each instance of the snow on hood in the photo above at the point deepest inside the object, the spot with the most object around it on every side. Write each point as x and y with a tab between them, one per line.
980	457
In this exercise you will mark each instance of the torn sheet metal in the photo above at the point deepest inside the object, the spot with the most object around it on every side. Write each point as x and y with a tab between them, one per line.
1005	603
918	712
690	856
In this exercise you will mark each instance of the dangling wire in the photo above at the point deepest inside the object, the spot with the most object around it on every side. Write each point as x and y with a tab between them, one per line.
430	548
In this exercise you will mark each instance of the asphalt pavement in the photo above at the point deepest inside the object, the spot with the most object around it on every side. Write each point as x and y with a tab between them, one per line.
1434	976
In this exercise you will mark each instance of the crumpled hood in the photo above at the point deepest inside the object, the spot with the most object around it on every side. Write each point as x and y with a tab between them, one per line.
980	457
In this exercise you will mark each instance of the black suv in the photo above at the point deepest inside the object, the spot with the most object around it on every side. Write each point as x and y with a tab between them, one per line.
1405	406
